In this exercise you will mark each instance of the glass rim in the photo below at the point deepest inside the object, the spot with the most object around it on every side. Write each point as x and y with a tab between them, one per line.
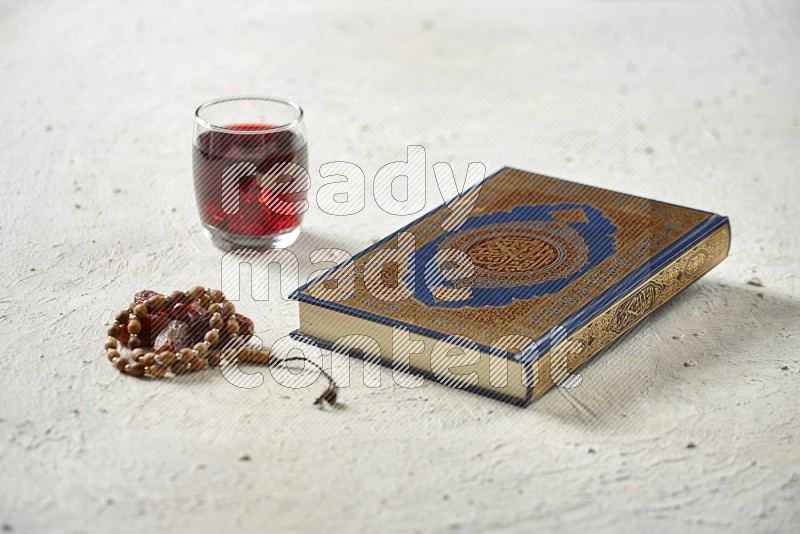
278	128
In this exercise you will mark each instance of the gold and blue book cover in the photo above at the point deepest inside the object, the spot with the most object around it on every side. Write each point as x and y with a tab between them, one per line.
509	288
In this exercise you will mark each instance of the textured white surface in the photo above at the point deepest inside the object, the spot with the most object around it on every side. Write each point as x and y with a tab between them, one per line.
690	102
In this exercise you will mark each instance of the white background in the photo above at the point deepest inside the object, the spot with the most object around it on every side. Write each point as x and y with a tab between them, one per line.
694	103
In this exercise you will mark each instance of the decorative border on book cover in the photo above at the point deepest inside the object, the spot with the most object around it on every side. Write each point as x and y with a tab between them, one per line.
649	234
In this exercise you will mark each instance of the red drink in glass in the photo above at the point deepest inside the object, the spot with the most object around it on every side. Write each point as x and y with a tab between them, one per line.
250	178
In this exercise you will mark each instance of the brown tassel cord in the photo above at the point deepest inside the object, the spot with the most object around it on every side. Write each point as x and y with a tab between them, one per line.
263	357
329	395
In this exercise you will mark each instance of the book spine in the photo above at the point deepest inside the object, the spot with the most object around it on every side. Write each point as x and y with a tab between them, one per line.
558	365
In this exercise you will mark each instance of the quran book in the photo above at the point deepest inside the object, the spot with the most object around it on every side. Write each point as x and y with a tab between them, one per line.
509	288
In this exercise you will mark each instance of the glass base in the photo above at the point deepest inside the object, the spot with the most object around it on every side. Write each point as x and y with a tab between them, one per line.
228	242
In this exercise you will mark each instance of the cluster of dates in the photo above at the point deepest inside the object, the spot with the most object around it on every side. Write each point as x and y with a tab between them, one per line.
182	323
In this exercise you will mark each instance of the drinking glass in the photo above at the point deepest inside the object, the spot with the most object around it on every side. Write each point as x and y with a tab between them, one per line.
250	158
